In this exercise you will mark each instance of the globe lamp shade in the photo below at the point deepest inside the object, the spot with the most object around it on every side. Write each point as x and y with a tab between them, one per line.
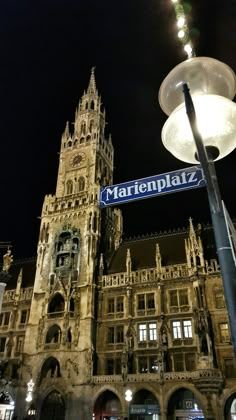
216	121
204	75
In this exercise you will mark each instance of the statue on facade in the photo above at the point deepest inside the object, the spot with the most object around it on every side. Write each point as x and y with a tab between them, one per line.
7	261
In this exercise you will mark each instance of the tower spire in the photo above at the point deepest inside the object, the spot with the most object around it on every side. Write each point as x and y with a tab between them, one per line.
92	82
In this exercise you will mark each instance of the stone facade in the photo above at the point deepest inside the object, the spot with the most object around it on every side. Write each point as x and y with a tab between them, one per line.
99	315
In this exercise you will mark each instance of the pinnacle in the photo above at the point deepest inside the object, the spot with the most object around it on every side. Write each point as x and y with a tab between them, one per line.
92	82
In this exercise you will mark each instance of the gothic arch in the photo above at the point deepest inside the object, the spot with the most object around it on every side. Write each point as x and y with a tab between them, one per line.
53	406
56	304
50	368
107	403
227	404
53	335
175	400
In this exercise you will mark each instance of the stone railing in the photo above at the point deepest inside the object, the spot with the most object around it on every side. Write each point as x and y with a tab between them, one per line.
154	377
25	294
146	276
150	275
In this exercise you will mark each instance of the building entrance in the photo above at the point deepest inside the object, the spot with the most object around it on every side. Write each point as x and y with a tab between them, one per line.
53	407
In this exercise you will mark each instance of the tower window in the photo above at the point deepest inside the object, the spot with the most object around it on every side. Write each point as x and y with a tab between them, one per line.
83	127
92	105
81	140
81	184
69	187
69	143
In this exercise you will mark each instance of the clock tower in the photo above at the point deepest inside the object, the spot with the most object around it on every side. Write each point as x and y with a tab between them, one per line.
73	233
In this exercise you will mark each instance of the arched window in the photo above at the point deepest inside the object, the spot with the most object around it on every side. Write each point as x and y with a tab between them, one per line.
51	368
69	187
57	304
86	105
81	183
81	140
69	143
53	335
88	138
91	125
92	105
75	142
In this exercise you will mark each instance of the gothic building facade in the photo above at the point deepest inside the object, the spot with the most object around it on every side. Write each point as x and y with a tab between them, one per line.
94	316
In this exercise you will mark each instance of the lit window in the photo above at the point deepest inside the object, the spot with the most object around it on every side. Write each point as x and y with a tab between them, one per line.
142	332
152	332
187	329
224	332
177	329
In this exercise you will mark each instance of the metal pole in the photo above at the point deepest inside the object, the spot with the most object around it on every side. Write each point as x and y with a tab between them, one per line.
228	269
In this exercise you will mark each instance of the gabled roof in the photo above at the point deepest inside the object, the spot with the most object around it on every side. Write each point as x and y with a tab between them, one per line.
143	251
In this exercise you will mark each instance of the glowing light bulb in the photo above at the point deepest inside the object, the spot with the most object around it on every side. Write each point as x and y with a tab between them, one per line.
188	49
181	34
181	22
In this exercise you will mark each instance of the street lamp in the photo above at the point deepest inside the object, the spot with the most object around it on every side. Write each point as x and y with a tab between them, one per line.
128	398
205	136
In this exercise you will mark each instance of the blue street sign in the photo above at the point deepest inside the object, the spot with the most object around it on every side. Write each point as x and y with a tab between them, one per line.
170	182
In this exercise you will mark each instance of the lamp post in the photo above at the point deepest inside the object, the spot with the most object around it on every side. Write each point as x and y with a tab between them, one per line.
128	398
204	136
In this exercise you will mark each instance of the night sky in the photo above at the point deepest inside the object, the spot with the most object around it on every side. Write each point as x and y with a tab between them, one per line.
47	50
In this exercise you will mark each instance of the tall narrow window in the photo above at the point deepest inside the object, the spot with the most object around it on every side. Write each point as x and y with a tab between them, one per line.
187	324
120	334
111	305
173	298
141	302
142	332
69	187
176	329
152	327
81	183
224	332
183	297
150	301
111	335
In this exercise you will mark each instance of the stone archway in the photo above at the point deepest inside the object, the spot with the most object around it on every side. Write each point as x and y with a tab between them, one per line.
184	404
53	407
107	407
144	405
230	408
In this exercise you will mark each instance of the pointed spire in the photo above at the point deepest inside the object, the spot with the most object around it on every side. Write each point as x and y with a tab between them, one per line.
92	82
191	229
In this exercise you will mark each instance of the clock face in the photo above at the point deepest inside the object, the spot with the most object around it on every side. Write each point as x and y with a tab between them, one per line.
77	159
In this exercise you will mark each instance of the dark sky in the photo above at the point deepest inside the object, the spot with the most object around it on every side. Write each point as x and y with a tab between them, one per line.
47	50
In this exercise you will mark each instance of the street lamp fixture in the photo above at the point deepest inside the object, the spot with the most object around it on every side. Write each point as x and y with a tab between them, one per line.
201	129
